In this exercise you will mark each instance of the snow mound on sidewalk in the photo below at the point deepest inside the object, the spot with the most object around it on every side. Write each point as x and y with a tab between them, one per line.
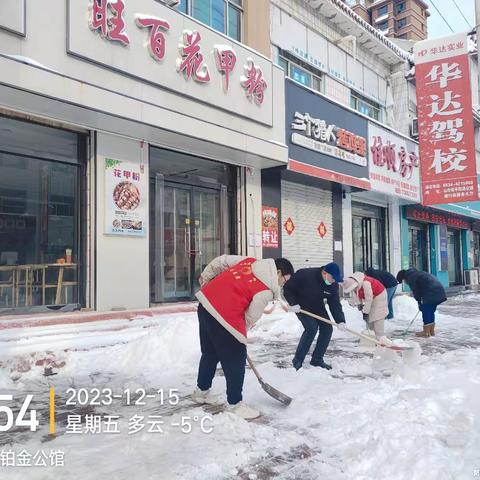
171	347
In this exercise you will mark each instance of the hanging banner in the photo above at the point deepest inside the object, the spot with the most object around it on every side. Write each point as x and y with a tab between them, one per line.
270	227
445	120
125	198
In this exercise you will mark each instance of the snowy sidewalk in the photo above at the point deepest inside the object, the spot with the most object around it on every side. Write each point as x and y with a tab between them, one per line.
373	416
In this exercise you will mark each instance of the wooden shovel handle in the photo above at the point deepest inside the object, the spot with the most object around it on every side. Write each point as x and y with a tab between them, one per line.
353	332
255	371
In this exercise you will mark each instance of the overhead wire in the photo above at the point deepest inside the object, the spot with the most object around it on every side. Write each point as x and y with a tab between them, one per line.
440	13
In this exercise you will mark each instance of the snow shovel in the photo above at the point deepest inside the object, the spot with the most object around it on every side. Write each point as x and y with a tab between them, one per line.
358	334
273	392
411	323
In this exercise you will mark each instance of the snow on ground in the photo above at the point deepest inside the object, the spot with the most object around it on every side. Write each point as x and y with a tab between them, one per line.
375	415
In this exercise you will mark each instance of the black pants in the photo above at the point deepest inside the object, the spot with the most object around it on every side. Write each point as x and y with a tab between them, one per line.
312	326
219	345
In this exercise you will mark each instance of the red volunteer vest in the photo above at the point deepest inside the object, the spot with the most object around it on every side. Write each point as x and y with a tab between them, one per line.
231	293
377	288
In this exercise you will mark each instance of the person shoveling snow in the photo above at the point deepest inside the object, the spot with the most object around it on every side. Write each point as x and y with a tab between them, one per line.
428	292
371	295
234	293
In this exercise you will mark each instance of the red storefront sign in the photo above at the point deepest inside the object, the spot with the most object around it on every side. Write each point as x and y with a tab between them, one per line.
269	227
424	215
445	121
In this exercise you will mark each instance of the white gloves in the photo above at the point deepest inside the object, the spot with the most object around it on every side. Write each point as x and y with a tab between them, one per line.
342	326
294	308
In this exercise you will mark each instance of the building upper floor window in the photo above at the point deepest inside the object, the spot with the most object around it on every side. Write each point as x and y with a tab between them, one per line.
300	71
402	23
382	26
382	11
365	106
222	15
400	7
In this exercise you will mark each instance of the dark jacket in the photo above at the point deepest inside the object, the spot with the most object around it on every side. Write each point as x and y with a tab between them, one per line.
308	289
384	277
425	287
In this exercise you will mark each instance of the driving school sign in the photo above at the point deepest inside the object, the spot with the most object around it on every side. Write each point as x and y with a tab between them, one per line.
445	120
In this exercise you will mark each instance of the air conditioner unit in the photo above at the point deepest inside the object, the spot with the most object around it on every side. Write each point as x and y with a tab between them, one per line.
471	277
414	128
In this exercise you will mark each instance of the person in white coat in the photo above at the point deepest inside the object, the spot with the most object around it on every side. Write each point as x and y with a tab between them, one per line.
370	295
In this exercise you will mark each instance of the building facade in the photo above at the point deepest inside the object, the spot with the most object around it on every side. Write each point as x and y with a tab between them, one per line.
405	19
132	138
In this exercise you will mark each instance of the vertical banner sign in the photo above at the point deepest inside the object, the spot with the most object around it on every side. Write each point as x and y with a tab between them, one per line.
125	198
269	227
445	121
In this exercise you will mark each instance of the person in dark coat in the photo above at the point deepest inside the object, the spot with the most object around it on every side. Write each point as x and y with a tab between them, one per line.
307	290
428	292
388	281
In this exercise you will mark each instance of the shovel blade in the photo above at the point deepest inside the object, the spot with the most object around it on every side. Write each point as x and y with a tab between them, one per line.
276	394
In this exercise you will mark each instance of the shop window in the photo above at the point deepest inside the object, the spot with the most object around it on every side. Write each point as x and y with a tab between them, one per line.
382	11
40	204
224	16
365	106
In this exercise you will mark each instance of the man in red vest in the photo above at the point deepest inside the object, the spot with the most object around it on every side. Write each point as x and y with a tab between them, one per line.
234	293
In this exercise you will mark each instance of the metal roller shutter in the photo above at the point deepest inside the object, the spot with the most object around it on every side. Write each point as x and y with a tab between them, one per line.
308	207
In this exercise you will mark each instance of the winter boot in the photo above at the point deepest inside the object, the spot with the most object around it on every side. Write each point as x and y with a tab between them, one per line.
244	411
425	333
432	329
320	363
203	397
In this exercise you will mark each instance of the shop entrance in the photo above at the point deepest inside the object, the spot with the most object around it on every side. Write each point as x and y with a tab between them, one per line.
454	257
368	231
191	215
418	246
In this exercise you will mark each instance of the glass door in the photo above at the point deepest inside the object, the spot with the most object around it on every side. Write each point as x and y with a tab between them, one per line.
418	247
207	229
190	224
454	257
176	243
368	243
359	250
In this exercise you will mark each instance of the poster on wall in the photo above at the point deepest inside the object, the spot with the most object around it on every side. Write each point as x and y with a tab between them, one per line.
269	227
125	198
445	120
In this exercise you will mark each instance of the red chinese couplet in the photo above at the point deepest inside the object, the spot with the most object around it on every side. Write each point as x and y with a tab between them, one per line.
445	121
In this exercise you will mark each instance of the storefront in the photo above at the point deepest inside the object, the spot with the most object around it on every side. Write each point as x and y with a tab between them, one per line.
327	157
160	169
438	242
394	180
